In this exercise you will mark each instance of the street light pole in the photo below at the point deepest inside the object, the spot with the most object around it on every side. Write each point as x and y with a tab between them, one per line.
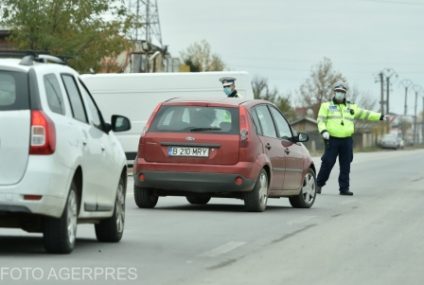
406	83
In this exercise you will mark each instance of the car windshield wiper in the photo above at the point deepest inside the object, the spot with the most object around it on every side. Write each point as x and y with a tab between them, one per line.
204	129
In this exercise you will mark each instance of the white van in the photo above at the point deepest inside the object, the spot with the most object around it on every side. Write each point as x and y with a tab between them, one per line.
135	95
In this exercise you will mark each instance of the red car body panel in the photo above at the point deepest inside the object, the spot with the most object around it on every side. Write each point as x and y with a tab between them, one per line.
231	155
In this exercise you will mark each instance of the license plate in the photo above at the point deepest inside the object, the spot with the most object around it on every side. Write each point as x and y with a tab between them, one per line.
189	151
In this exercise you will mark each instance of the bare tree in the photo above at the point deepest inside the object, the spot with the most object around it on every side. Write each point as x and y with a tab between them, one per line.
198	57
261	90
319	86
362	99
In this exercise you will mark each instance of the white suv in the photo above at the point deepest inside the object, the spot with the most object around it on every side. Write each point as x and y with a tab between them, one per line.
60	163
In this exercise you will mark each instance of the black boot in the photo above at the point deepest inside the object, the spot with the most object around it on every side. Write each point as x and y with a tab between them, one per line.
346	193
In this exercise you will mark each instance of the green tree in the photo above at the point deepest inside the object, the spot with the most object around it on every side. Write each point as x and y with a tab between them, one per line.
198	57
85	31
261	90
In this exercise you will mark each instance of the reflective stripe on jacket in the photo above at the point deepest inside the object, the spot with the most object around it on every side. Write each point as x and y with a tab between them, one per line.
338	119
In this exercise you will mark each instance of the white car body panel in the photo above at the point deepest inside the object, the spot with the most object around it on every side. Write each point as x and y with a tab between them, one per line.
14	145
79	146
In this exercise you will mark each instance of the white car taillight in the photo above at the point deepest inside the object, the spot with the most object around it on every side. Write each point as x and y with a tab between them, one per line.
43	134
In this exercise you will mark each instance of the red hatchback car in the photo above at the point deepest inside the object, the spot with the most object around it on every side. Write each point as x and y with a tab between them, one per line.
231	147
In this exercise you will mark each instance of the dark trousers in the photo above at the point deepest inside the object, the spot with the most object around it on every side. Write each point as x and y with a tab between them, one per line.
343	148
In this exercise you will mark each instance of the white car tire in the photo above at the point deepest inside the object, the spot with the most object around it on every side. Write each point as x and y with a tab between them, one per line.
60	233
112	229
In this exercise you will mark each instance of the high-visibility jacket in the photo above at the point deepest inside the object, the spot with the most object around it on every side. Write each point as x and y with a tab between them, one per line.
338	119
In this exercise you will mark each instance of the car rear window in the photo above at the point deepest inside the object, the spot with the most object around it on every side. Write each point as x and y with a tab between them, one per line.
13	90
196	119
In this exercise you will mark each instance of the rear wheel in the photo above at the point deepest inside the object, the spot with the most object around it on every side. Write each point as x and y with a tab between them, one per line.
198	199
256	200
145	197
306	197
60	233
111	229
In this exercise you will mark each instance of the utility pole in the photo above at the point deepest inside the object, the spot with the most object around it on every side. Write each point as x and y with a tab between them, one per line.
406	83
389	73
417	89
422	122
381	79
147	37
147	13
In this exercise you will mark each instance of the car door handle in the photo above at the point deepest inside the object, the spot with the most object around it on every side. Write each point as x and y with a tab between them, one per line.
268	146
102	148
84	143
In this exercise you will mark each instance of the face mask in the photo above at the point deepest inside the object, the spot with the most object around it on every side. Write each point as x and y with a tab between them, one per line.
228	91
340	96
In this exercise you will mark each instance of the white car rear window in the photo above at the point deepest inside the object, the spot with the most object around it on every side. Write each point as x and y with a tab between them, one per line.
13	90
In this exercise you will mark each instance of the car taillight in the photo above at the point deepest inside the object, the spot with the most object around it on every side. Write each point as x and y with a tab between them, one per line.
43	134
244	126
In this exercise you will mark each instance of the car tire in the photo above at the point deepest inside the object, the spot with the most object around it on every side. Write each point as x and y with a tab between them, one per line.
198	199
306	197
255	201
145	197
60	233
112	229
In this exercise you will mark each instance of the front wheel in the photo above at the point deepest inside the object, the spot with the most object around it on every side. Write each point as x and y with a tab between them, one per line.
306	197
256	200
60	233
145	197
112	229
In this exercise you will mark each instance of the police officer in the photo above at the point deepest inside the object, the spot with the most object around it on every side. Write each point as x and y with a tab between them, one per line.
229	87
336	125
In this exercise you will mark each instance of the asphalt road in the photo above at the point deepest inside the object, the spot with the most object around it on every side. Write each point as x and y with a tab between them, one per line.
374	237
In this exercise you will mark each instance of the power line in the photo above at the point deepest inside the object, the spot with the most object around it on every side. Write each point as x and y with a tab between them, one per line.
396	2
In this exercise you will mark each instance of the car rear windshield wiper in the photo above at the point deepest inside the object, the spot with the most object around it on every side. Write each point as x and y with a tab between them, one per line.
204	129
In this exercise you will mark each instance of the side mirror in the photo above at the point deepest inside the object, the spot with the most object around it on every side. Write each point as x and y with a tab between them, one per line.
120	123
302	137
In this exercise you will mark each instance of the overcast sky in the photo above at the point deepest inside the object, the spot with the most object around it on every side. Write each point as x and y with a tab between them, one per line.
282	39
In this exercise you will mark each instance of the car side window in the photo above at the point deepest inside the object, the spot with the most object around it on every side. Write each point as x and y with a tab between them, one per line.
54	94
265	121
92	109
77	105
256	123
283	127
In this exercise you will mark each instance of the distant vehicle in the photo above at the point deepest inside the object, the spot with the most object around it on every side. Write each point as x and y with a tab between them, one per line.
233	148
135	95
60	162
391	141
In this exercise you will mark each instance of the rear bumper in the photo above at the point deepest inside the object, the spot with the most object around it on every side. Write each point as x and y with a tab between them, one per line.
43	177
192	182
